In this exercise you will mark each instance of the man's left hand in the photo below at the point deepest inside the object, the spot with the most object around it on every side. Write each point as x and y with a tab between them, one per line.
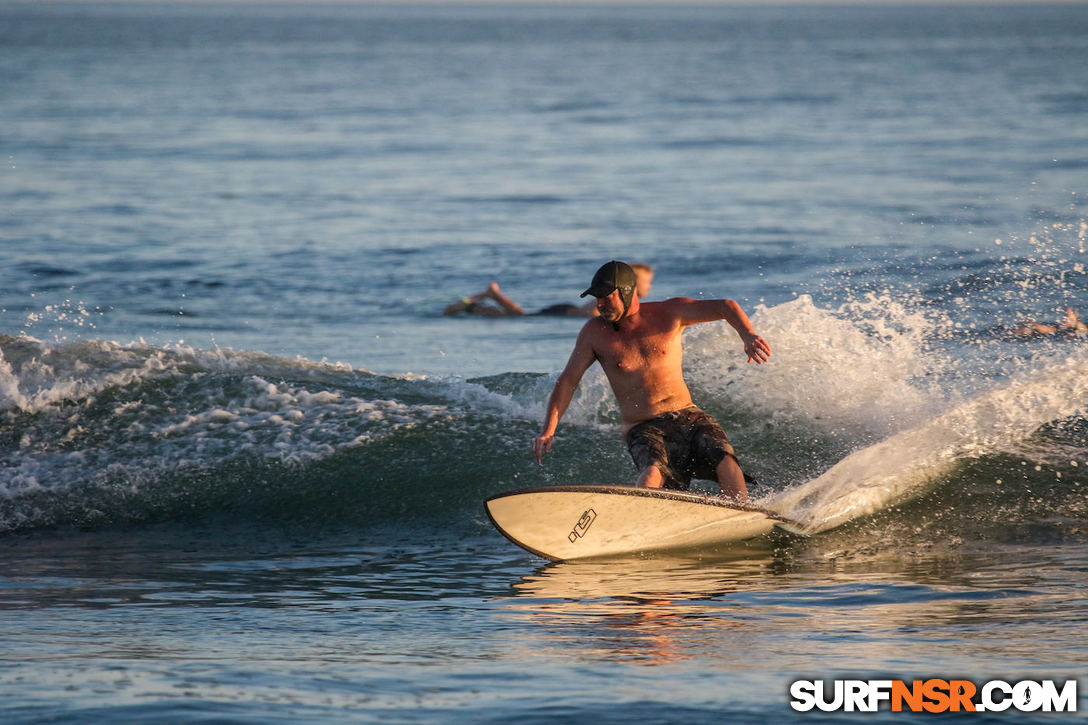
757	349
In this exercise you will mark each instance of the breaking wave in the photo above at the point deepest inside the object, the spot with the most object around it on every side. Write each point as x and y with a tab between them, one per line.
859	411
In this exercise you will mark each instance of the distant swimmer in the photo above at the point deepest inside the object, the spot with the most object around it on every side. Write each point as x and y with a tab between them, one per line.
481	303
639	347
1070	325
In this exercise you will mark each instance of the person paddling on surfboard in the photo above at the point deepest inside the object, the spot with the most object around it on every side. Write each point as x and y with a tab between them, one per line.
638	344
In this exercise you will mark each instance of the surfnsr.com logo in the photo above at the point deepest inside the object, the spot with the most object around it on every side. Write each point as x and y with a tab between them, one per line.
934	695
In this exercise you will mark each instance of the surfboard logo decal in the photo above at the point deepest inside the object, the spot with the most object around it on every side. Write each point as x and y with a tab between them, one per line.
582	526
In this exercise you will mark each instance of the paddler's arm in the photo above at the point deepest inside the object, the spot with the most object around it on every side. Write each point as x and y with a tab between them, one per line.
692	312
580	359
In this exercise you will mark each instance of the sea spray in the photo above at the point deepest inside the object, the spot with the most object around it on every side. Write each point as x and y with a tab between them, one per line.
871	380
900	467
860	370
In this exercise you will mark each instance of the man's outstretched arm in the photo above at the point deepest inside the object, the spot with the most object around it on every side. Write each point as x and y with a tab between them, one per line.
580	359
692	312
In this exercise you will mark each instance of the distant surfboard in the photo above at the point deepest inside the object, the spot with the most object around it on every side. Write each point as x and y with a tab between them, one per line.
578	522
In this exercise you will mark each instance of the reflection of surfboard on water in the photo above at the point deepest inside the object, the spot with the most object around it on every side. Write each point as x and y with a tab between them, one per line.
577	522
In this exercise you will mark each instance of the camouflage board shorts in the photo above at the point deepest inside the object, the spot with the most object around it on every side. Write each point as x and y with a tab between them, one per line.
683	444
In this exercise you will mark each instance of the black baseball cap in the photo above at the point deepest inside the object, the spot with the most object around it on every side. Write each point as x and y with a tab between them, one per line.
610	277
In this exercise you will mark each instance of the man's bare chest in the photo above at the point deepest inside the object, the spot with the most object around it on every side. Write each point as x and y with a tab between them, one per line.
637	351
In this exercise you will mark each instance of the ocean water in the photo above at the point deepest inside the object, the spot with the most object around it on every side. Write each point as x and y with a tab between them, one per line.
243	455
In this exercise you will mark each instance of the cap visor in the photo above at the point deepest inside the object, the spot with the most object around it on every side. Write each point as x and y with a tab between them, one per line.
599	291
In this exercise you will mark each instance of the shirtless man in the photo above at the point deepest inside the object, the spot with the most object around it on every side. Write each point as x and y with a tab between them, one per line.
638	345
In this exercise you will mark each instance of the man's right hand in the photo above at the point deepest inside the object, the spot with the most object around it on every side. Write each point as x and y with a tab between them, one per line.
541	445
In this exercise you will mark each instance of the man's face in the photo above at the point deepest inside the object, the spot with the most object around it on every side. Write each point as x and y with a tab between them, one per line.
610	307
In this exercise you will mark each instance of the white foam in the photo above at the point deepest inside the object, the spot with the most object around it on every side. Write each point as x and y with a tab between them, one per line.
187	408
901	466
858	369
593	403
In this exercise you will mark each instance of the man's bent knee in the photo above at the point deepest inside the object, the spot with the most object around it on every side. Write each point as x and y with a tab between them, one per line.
651	477
731	478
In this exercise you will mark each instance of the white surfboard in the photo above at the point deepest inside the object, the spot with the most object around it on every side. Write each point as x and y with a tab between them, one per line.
578	522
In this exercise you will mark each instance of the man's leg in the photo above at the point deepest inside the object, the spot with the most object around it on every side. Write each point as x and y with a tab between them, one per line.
731	478
651	477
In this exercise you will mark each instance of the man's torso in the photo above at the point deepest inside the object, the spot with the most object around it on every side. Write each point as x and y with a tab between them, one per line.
643	361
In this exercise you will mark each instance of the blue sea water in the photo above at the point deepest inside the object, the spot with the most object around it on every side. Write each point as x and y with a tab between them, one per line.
243	454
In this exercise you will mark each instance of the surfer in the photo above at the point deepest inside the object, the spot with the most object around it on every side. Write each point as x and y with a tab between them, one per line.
638	344
480	304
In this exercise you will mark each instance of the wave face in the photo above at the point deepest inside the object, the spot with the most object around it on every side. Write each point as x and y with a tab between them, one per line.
96	432
861	410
